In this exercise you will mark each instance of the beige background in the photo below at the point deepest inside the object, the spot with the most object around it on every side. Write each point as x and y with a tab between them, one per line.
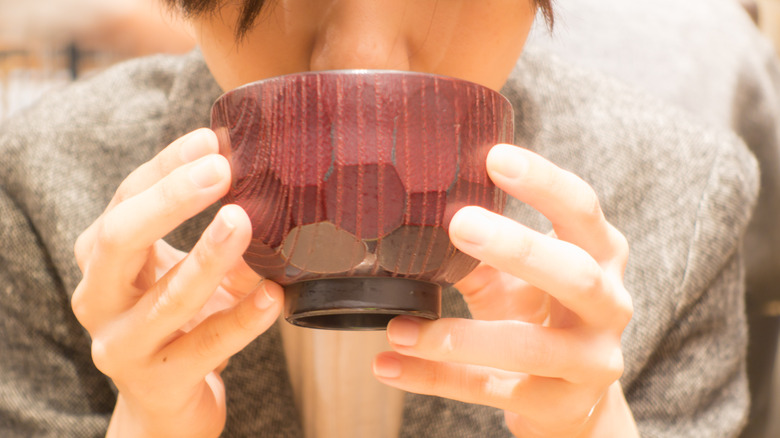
769	19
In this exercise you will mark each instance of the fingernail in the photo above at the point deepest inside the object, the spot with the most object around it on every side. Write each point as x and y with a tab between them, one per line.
205	173
507	160
192	147
403	331
222	227
263	300
387	367
473	225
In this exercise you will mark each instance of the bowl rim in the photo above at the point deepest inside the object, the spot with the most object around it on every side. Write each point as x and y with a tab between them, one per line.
358	72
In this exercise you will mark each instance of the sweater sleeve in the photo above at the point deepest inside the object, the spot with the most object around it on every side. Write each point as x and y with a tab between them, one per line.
62	160
695	382
697	386
48	385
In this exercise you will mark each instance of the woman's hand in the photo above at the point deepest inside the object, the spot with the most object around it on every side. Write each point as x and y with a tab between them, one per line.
549	311
163	322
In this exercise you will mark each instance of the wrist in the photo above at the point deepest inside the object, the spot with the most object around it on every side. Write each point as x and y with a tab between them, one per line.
130	422
122	423
611	416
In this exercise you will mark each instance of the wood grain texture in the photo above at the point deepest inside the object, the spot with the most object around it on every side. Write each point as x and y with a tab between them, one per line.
370	153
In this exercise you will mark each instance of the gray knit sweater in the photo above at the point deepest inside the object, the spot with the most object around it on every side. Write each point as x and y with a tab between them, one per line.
681	194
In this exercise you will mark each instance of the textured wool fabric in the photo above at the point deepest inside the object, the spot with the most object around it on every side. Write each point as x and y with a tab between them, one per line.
681	194
708	58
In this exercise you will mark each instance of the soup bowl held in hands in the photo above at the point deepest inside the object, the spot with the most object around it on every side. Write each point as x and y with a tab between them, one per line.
350	179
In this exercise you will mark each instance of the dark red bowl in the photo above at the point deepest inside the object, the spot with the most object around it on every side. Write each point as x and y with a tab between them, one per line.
351	178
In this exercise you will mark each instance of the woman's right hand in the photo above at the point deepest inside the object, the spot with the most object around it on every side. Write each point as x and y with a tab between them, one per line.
163	322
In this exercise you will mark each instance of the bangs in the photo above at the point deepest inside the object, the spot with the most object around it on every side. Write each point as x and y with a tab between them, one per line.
251	9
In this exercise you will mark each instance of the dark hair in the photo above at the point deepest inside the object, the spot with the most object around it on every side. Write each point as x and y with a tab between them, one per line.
251	9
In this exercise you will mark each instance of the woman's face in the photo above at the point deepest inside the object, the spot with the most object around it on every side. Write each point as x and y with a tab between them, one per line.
477	40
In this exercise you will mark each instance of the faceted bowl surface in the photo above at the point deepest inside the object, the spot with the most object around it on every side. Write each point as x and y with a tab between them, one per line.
357	173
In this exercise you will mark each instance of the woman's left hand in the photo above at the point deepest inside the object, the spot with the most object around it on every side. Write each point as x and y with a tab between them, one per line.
549	311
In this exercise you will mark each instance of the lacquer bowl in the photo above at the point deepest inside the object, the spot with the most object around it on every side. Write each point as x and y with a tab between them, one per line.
351	178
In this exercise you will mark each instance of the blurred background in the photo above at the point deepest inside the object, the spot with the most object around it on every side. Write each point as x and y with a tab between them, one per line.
768	17
45	44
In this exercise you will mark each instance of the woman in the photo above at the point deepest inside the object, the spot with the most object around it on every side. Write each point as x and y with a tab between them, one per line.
550	331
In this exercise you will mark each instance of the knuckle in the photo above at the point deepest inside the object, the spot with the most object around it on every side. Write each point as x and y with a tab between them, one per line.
522	250
483	384
615	365
544	356
203	254
123	192
619	250
588	206
620	243
525	348
544	175
607	363
591	284
591	207
208	341
625	308
243	319
78	303
502	390
82	249
475	384
454	339
431	377
168	194
105	357
169	299
162	163
109	236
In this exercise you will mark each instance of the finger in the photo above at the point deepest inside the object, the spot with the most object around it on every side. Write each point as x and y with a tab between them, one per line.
180	295
555	403
153	213
133	226
241	280
238	283
128	232
570	204
575	356
221	367
225	333
557	267
186	149
494	295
